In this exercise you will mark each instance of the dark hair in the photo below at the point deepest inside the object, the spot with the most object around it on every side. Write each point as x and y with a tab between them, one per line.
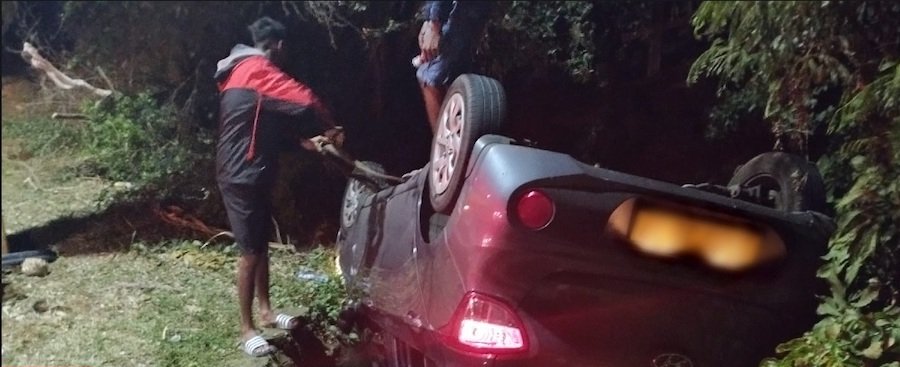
265	30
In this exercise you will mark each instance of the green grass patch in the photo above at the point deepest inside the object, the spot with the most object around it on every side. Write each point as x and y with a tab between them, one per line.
165	304
44	136
208	329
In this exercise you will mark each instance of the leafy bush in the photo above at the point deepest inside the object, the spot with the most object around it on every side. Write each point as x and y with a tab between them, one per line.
325	295
790	55
133	138
322	297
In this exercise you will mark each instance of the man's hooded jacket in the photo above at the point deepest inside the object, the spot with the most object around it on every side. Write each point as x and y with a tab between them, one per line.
261	109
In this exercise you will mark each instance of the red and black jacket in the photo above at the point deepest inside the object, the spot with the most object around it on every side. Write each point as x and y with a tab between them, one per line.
261	109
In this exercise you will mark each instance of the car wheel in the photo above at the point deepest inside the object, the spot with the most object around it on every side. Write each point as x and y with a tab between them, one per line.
788	182
475	105
359	189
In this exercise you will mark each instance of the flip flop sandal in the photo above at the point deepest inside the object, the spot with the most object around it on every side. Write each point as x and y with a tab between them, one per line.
284	322
257	347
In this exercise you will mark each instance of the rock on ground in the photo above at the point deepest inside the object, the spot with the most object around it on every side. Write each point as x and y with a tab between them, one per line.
34	266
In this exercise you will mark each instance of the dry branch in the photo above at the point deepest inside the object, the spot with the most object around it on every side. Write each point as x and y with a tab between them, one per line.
68	116
31	55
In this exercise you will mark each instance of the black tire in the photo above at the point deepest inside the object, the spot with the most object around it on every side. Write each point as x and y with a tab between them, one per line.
479	104
359	188
790	182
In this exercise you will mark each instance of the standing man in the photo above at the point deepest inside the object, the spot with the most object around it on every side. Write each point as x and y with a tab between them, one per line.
262	110
447	41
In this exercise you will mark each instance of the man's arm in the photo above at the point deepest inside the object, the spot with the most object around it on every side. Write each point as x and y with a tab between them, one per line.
279	92
437	10
436	14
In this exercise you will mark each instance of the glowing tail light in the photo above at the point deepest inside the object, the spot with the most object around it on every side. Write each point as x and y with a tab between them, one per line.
535	210
485	325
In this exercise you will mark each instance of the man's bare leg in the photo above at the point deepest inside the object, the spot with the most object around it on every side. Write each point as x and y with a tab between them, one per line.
433	97
247	265
262	289
266	314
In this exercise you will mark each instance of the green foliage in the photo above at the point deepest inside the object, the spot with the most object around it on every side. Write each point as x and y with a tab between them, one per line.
863	176
792	51
134	139
322	298
126	138
784	58
845	337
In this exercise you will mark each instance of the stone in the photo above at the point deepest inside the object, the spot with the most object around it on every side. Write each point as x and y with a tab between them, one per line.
40	306
36	267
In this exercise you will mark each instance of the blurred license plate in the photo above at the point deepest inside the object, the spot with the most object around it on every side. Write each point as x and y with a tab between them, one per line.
721	243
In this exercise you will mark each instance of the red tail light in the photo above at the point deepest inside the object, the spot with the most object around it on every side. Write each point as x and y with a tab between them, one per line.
535	210
486	325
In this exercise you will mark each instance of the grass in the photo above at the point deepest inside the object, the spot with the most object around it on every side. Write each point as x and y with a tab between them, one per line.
125	292
44	136
43	173
172	305
40	179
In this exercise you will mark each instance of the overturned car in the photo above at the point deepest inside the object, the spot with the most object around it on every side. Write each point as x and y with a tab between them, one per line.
501	254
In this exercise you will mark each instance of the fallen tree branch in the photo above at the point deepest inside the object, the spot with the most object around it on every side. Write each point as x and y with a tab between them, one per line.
223	233
68	116
105	78
31	55
176	216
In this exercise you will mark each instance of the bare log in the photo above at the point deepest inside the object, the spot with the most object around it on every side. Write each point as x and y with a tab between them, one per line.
31	55
68	116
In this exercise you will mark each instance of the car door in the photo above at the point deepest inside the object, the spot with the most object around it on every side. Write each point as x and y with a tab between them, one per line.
393	283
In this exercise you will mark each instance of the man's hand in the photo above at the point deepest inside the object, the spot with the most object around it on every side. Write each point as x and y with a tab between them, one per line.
333	136
315	144
429	40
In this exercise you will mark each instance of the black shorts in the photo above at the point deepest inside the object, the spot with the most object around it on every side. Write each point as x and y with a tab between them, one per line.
249	211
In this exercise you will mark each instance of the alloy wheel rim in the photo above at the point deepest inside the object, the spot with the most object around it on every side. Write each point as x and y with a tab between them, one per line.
351	203
448	141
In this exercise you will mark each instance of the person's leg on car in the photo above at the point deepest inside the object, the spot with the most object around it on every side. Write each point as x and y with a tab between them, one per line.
434	97
433	76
